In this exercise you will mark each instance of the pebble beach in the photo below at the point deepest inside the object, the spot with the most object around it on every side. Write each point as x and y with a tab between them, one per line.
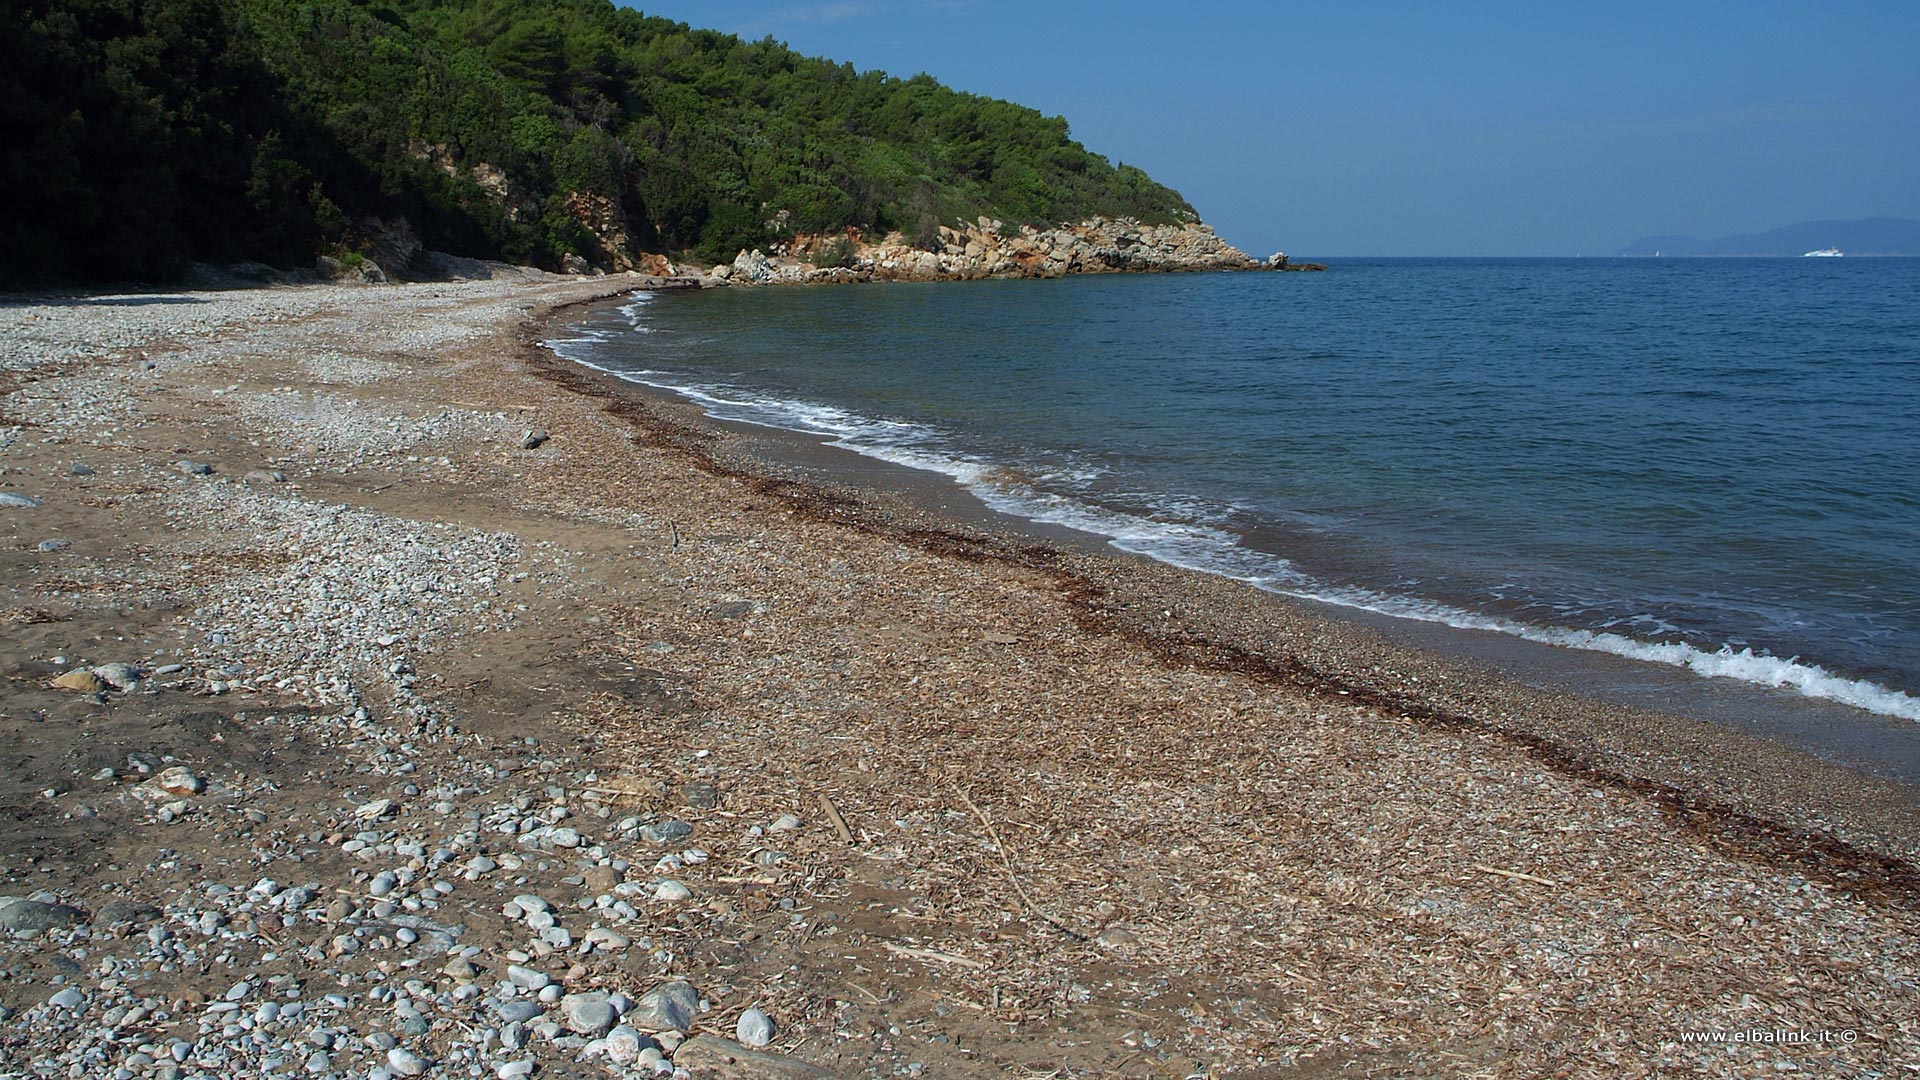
385	697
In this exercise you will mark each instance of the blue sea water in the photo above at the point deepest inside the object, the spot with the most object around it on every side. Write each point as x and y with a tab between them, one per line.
1713	464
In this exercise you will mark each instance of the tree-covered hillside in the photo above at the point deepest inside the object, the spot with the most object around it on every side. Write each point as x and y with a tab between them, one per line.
143	134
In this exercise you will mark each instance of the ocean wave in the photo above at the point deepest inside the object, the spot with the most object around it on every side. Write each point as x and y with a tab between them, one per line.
1744	664
1176	531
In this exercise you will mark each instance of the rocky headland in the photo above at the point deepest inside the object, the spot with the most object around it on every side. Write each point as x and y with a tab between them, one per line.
985	249
988	249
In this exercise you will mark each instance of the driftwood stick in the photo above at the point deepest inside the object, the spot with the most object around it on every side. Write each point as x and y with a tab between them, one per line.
1514	874
833	815
933	955
1000	846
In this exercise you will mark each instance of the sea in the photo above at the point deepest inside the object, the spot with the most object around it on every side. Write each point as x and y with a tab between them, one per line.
1709	465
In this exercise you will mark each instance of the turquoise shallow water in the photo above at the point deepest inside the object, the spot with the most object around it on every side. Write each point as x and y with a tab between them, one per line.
1706	463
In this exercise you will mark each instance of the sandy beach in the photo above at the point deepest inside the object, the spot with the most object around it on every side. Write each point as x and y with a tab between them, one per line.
478	714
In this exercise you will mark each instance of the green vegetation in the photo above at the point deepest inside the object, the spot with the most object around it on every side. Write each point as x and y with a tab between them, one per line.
142	134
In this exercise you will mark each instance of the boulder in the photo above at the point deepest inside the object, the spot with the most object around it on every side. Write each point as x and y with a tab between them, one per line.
754	266
19	916
127	912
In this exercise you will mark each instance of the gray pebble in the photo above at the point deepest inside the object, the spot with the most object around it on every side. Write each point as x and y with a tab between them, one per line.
667	1006
119	676
754	1029
517	1010
527	978
666	832
588	1014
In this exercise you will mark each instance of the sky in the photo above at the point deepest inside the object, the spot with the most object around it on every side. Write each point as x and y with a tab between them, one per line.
1542	128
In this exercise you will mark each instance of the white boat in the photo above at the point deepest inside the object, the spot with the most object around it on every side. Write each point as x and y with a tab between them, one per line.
1824	253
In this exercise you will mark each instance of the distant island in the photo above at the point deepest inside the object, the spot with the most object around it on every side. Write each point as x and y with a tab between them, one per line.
1865	236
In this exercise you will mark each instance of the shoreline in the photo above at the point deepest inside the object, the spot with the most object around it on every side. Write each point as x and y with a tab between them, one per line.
1758	796
1823	680
964	799
1882	748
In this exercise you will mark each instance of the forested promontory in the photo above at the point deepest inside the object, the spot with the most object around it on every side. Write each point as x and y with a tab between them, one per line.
143	135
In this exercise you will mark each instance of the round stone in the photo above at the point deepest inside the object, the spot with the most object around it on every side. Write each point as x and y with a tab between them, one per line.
754	1028
588	1014
518	1010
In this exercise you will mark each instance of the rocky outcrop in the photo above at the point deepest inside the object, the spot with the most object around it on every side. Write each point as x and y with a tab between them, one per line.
390	245
606	219
492	181
988	249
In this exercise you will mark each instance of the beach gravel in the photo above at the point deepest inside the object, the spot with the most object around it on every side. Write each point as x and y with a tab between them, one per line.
352	737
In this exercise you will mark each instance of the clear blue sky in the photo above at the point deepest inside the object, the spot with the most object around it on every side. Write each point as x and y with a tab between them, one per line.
1541	128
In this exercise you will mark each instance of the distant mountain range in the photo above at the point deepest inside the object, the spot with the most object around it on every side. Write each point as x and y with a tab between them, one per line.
1866	236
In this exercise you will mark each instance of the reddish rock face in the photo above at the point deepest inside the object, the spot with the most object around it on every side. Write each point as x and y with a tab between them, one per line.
607	221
